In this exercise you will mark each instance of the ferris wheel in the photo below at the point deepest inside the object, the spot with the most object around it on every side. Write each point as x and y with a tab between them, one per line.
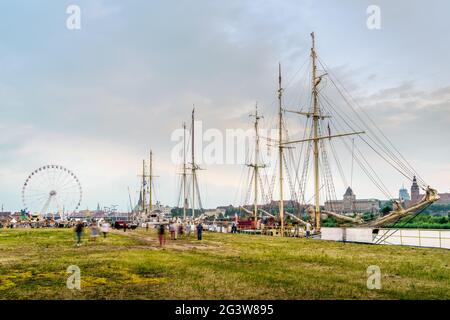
50	190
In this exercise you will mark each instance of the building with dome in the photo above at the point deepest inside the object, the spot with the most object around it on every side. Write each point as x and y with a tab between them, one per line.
350	204
403	195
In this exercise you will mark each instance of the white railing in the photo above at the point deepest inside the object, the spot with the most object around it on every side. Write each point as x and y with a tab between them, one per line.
414	237
432	238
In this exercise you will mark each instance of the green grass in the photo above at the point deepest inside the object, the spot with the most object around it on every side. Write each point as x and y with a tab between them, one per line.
130	265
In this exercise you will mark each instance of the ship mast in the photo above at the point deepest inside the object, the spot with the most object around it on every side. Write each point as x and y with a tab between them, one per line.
316	116
280	148
256	165
143	186
193	168
131	203
184	173
150	204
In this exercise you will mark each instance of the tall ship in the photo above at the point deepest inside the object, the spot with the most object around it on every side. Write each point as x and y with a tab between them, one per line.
331	130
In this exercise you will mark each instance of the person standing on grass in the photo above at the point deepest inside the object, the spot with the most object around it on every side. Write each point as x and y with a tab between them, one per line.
79	231
172	231
175	227
199	231
188	230
162	234
146	226
180	230
105	229
94	230
308	229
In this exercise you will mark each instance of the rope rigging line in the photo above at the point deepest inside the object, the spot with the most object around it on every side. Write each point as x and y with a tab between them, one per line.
303	148
272	183
198	195
338	163
378	183
327	170
239	189
376	140
180	194
328	175
405	165
373	176
387	235
305	171
249	190
337	127
362	137
291	186
263	194
383	149
268	198
387	139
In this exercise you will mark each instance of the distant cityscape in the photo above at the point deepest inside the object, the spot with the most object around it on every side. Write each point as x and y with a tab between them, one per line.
349	204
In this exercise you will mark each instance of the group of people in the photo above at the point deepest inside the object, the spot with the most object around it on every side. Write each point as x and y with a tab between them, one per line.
94	230
34	224
178	230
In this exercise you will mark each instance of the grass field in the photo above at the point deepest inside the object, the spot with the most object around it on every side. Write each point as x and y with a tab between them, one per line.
130	265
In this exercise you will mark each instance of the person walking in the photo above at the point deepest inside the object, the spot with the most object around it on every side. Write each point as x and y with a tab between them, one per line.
308	229
199	231
175	230
188	230
172	231
162	234
180	230
94	230
105	229
79	231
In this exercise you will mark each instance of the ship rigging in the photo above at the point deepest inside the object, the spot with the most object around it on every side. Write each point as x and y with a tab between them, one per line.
327	129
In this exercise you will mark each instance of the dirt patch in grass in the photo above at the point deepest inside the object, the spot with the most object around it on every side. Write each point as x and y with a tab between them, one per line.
181	244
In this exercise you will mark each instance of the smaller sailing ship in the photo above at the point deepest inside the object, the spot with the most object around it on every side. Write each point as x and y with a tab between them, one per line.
189	198
146	211
249	221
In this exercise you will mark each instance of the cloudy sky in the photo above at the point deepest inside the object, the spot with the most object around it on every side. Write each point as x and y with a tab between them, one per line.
97	99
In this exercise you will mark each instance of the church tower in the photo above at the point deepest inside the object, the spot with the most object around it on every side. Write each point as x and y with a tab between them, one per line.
415	191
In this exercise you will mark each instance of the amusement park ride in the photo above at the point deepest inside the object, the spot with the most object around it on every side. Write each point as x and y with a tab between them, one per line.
51	191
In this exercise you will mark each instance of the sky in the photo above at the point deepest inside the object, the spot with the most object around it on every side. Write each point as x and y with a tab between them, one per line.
97	99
